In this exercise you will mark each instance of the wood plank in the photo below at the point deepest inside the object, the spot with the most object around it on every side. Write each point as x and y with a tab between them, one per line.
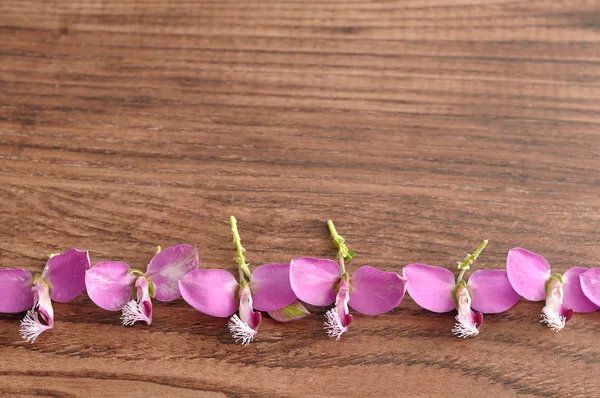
420	127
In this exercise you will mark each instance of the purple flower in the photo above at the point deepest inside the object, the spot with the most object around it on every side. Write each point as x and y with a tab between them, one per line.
531	277
323	282
487	291
113	286
61	280
217	293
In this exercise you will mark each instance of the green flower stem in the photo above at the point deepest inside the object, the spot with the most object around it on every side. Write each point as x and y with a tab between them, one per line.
343	252
468	261
460	276
240	259
340	259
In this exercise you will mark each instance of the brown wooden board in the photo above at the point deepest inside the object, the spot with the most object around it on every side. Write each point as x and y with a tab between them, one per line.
420	127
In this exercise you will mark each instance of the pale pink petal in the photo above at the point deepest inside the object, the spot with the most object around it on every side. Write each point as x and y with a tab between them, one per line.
211	291
430	287
342	299
375	292
313	280
528	273
590	284
15	290
66	274
108	285
143	297
290	313
573	296
491	292
246	309
39	318
271	289
467	322
141	308
338	319
168	266
43	302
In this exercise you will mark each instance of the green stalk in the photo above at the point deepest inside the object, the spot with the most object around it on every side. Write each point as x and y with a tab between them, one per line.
343	253
239	249
468	261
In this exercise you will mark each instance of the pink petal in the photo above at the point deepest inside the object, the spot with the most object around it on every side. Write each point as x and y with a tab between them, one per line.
430	287
590	284
478	319
254	320
271	289
168	266
211	291
108	285
491	292
528	273
573	296
290	313
66	274
313	280
15	290
375	292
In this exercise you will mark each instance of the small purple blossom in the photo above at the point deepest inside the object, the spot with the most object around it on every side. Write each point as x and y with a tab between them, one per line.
324	282
487	291
217	293
61	280
114	286
530	275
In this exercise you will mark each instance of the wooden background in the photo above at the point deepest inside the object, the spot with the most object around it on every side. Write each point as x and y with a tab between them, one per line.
420	127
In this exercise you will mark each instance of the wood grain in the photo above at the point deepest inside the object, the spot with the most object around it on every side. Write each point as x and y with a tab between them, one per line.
420	127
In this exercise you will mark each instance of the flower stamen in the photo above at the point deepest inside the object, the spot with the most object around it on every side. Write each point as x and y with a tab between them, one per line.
464	327
240	330
31	327
552	319
133	312
333	324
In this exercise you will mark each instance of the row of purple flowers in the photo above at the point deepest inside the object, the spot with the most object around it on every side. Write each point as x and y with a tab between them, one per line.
280	289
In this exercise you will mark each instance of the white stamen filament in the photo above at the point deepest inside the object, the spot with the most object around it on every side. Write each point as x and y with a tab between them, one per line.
333	325
552	319
464	327
240	330
31	327
132	312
